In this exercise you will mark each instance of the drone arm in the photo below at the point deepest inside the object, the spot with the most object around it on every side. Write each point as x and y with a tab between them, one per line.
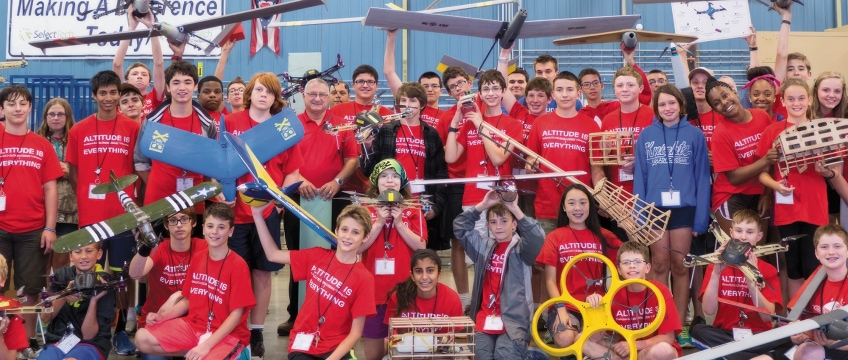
389	70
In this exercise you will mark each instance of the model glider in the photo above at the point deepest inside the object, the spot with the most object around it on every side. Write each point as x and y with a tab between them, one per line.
779	3
177	34
217	159
627	36
135	216
264	182
22	63
390	198
505	31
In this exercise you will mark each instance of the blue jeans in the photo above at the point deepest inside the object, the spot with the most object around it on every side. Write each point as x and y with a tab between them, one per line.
81	351
490	347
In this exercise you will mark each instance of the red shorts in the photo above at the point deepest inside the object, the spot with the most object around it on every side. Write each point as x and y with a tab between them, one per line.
178	335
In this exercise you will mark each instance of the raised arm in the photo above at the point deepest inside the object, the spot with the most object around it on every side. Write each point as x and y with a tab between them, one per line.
389	70
509	99
780	60
124	45
751	39
222	62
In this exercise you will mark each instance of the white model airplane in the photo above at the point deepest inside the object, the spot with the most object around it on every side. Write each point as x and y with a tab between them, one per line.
178	34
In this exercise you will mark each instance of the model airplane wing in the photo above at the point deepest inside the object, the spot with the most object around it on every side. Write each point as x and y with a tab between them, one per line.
769	336
485	28
184	28
498	178
216	159
264	180
116	225
615	36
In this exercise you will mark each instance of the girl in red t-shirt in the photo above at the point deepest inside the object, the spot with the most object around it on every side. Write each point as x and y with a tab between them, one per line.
579	231
829	96
421	295
798	207
397	233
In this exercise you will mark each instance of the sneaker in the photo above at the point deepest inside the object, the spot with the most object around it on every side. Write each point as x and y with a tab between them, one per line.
684	340
122	345
257	344
31	352
284	329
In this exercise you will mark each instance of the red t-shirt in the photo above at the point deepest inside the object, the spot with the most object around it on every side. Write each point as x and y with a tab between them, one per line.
278	167
219	286
473	145
335	291
151	102
457	169
445	304
526	119
829	296
810	187
707	123
345	113
168	273
734	146
107	145
400	252
319	147
163	177
564	243
633	122
648	309
410	151
492	289
27	162
15	335
564	142
431	115
599	113
733	286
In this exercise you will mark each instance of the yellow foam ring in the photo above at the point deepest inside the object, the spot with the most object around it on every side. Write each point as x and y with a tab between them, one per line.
599	318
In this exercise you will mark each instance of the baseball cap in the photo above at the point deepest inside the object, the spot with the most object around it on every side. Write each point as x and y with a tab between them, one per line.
701	70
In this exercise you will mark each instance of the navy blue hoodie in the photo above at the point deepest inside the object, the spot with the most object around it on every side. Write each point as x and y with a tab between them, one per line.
691	169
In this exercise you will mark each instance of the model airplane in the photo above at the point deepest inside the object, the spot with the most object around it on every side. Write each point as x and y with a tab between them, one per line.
22	63
779	3
503	185
736	254
471	70
178	34
217	159
367	123
141	7
297	84
630	37
429	10
264	182
88	284
390	198
506	32
135	216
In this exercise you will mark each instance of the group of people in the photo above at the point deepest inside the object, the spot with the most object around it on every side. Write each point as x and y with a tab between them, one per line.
697	151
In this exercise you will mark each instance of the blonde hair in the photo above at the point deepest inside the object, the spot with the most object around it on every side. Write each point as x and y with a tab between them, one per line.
816	108
44	130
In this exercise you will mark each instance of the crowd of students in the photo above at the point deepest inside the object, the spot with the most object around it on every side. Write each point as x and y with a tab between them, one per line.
698	151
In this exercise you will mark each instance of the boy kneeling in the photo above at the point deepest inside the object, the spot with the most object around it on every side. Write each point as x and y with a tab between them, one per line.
215	286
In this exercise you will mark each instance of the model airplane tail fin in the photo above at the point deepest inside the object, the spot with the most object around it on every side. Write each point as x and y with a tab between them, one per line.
115	184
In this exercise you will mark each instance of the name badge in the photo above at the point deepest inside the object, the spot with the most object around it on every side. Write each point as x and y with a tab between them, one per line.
3	202
739	333
68	342
623	176
94	196
486	185
385	267
303	341
416	189
670	198
493	323
785	200
184	183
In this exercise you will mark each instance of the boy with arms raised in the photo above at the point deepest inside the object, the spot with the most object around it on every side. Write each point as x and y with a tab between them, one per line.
210	321
634	262
28	196
727	282
429	80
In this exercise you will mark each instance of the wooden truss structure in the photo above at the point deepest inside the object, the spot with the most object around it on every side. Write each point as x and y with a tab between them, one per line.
431	338
820	140
610	148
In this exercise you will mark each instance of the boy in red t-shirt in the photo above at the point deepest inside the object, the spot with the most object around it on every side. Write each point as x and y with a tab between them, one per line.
11	327
733	323
634	263
28	196
210	321
138	74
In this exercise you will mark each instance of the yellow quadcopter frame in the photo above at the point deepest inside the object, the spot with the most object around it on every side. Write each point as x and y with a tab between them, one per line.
599	318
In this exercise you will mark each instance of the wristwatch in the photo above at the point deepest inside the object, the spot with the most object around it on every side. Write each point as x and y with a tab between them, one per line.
339	181
453	129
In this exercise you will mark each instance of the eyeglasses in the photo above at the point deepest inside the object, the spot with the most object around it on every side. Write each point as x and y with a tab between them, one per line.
458	84
494	89
317	95
56	115
632	262
434	86
365	82
236	91
591	84
175	221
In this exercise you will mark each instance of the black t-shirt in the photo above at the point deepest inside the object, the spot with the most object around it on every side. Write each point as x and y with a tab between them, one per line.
74	314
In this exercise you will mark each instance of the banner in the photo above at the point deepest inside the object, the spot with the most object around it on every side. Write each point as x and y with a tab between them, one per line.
716	20
263	36
31	20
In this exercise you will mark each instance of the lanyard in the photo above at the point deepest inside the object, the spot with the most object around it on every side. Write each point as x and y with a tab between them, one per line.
180	267
211	314
105	153
327	271
669	152
632	126
821	296
406	138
